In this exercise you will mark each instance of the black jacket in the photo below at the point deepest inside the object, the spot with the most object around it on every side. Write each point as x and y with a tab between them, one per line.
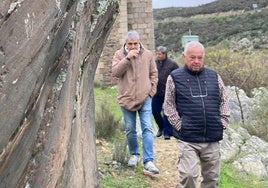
164	68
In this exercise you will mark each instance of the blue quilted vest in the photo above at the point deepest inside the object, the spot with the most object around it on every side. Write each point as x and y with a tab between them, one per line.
198	103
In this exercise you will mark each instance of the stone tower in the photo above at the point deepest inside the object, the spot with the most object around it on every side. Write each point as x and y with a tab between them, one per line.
134	14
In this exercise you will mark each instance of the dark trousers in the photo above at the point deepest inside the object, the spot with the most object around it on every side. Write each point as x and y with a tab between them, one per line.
160	119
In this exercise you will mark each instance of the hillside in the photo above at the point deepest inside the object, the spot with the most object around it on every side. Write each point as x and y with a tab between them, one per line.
222	20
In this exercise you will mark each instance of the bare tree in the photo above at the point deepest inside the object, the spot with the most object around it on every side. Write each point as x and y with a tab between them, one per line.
49	50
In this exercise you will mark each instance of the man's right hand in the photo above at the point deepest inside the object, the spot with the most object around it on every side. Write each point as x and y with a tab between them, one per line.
132	54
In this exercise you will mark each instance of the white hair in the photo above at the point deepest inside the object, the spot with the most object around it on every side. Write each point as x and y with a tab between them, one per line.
132	35
192	44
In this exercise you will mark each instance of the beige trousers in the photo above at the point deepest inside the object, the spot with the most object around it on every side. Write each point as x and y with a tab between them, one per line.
192	157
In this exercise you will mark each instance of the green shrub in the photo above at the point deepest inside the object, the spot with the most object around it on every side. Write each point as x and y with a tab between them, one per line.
106	124
107	96
107	113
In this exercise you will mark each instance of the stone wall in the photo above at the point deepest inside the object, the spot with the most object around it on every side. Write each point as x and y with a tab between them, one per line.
134	14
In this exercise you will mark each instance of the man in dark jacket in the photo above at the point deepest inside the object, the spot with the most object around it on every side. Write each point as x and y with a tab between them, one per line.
196	105
164	66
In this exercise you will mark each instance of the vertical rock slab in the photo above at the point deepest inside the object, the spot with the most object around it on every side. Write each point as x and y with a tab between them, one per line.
49	50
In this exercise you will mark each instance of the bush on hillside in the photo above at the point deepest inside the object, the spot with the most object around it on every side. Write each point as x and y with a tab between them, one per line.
245	71
210	8
212	29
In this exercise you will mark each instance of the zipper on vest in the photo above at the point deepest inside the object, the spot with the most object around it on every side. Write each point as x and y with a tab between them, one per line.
204	109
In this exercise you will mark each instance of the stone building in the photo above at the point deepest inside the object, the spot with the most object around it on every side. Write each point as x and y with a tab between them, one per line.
134	14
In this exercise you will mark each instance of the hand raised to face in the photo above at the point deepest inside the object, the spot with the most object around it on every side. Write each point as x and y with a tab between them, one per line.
132	53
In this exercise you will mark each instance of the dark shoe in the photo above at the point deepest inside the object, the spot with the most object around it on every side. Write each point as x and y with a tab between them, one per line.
159	133
167	137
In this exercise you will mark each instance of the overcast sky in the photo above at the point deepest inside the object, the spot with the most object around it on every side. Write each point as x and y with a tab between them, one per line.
178	3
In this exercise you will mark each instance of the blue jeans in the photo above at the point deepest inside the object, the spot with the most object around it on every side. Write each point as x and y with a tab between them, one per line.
161	119
145	114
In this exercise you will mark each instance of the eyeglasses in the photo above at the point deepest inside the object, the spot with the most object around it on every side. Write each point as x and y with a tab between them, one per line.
199	95
130	43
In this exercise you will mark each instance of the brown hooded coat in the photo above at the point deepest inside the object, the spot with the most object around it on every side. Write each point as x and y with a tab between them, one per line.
136	79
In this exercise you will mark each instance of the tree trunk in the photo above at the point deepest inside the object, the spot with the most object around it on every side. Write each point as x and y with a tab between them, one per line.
49	50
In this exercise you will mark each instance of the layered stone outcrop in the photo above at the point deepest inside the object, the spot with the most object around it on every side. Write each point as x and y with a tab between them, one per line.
49	50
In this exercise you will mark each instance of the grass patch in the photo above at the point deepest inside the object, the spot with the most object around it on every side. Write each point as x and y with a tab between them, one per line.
128	177
107	96
112	152
230	177
108	113
112	164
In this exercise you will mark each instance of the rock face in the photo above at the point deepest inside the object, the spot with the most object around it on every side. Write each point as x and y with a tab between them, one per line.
248	153
49	51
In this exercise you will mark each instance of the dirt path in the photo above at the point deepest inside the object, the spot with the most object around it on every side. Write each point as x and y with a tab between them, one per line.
166	156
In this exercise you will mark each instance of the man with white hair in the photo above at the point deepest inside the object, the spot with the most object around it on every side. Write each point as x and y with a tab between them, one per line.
196	105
